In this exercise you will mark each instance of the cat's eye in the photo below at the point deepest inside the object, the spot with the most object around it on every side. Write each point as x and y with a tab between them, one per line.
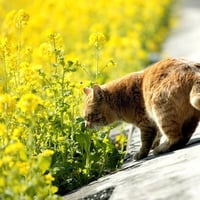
93	117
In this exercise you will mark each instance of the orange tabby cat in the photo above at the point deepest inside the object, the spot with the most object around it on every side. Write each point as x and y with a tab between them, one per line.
164	98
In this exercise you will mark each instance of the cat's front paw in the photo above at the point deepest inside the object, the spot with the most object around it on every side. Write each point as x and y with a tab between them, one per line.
140	155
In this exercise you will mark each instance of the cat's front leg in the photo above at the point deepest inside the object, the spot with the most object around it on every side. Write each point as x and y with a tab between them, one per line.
148	135
141	154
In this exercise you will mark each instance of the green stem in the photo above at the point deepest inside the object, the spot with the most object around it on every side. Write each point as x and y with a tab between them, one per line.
56	56
97	64
5	75
19	48
62	93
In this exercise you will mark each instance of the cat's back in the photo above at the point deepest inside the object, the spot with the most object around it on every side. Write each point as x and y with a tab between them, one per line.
170	73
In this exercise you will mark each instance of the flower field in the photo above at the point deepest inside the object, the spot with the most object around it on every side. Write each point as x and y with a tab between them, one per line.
49	51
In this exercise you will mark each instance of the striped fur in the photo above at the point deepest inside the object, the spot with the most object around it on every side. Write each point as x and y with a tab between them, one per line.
163	99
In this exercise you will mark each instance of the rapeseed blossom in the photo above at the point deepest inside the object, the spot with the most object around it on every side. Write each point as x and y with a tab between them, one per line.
18	133
14	148
2	129
97	40
47	153
7	103
49	178
45	62
23	168
21	19
29	103
46	50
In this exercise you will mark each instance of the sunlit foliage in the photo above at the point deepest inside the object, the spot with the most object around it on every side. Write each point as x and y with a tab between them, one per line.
49	51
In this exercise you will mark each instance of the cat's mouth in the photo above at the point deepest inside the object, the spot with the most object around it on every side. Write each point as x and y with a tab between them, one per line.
95	126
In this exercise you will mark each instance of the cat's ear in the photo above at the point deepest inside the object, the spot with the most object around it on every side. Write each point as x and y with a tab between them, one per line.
87	90
98	93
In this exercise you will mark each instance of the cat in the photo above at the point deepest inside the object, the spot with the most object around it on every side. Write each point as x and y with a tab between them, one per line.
162	99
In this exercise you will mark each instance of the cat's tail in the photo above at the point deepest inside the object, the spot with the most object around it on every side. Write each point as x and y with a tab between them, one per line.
195	95
197	65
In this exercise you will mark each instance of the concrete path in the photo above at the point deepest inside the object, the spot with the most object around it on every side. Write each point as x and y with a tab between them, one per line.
172	176
184	40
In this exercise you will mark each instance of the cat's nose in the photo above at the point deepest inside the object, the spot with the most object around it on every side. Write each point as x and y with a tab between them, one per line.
88	124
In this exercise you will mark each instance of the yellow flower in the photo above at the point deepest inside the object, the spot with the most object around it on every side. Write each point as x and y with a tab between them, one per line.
97	40
6	159
21	19
47	153
7	103
2	129
45	50
2	181
17	133
111	63
54	189
29	103
56	41
49	178
14	148
4	47
23	167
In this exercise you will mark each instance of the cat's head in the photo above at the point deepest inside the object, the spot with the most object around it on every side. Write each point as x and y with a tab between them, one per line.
96	110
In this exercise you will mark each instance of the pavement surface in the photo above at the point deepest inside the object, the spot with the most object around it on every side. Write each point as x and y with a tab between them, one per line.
184	40
172	176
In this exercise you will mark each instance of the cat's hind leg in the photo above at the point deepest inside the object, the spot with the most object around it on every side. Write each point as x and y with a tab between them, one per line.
189	127
169	125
